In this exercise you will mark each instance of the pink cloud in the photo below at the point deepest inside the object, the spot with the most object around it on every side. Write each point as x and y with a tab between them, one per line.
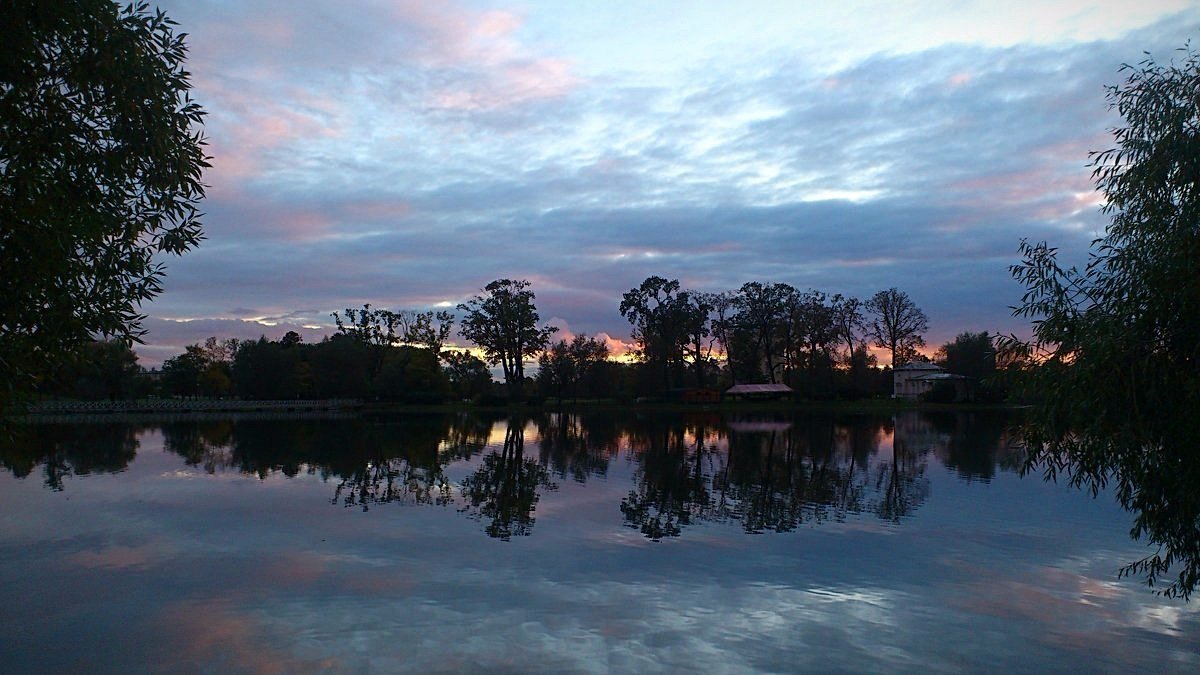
959	79
499	70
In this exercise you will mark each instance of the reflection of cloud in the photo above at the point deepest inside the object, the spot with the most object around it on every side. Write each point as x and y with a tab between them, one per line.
211	634
120	557
1064	609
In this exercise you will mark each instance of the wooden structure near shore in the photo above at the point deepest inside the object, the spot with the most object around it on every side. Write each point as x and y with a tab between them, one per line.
187	405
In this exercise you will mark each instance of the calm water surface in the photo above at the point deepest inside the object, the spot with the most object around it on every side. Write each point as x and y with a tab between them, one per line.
567	544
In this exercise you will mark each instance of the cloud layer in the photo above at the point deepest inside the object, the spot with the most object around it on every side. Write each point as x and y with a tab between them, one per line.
408	153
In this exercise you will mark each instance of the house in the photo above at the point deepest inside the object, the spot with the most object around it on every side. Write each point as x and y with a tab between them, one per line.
911	380
759	391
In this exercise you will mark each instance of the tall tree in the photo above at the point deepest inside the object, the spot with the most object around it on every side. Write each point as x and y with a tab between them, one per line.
504	323
1113	369
654	311
100	172
848	321
378	327
896	324
695	311
722	316
760	327
970	354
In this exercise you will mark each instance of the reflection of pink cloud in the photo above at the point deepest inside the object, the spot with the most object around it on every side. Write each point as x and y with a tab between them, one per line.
1074	611
296	568
204	635
118	557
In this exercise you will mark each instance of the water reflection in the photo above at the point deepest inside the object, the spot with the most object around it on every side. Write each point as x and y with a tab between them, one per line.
895	529
67	450
504	490
761	474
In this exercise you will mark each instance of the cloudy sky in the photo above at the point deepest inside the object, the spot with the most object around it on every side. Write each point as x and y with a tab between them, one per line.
406	153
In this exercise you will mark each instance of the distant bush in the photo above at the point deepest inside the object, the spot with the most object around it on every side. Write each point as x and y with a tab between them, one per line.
942	392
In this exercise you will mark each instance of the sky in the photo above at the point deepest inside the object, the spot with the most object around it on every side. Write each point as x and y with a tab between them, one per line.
406	153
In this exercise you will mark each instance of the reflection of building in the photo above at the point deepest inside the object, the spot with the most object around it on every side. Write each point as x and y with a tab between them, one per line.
914	432
911	380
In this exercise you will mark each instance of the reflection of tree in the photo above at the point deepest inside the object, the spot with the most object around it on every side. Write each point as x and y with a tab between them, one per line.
975	444
776	475
373	461
68	449
671	488
807	471
901	484
393	463
203	444
1159	486
504	488
570	446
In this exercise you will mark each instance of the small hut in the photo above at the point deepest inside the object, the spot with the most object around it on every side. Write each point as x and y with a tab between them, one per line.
758	392
911	380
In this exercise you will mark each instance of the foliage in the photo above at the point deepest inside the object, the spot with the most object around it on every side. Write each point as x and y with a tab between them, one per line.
941	392
563	367
272	370
104	369
761	316
385	328
896	324
468	375
100	172
411	374
202	370
1114	364
970	354
504	323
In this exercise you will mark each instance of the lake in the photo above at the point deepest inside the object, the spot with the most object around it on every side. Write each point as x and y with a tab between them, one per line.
597	543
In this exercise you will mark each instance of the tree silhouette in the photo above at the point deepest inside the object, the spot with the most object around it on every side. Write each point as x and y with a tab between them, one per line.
1112	368
100	175
897	324
504	323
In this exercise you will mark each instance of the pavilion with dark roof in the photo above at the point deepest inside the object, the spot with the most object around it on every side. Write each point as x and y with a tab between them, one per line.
759	391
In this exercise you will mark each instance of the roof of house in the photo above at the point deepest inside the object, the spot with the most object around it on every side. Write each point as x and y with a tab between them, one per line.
759	389
760	427
940	376
919	365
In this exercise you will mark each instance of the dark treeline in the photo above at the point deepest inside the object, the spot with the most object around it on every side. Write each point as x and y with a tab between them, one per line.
816	343
769	333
